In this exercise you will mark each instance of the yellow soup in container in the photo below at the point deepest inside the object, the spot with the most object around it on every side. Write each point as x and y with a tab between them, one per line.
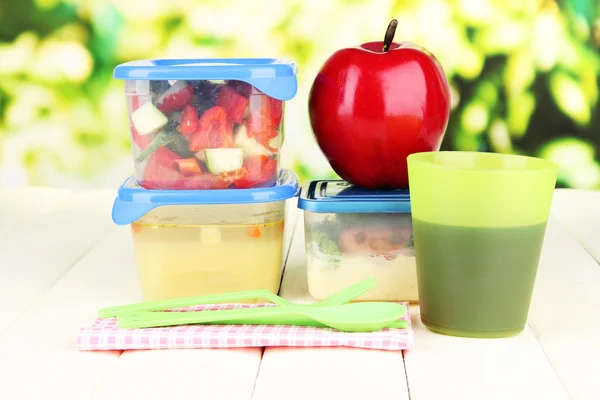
184	250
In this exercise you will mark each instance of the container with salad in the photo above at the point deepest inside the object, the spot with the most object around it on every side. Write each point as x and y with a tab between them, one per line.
207	123
353	234
193	243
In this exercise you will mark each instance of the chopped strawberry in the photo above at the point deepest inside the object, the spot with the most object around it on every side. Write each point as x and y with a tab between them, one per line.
233	102
189	121
213	131
164	157
243	88
189	166
203	182
274	108
261	170
159	173
260	125
176	97
232	176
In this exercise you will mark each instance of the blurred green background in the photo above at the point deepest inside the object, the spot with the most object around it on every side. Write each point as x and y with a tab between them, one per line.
524	74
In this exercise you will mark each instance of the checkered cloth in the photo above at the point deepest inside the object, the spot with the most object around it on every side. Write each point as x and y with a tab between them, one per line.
105	334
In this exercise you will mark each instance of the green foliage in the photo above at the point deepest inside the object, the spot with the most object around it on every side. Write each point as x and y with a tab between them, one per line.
525	74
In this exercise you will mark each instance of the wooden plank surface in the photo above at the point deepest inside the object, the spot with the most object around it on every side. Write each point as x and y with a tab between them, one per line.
180	374
325	373
39	356
446	367
565	312
21	205
38	253
51	285
579	212
207	373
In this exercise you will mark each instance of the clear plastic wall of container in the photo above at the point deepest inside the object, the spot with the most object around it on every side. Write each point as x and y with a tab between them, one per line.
193	250
203	134
345	248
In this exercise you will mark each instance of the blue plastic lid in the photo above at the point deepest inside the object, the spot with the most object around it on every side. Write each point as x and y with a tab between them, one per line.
272	76
133	201
335	196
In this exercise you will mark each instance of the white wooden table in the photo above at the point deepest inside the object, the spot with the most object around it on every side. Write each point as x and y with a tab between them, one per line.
62	259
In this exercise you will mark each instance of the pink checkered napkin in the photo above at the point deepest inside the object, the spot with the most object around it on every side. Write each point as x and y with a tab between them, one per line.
105	334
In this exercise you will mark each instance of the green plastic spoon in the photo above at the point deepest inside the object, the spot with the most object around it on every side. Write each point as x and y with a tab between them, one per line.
341	297
352	317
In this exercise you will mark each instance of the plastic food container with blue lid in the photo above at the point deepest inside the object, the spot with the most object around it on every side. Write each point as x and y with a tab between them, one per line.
352	234
200	124
194	242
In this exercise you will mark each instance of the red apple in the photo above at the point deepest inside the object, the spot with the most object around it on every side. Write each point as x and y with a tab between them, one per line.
372	106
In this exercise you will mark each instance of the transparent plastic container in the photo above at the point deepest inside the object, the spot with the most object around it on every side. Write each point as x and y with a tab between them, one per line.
206	247
352	234
207	123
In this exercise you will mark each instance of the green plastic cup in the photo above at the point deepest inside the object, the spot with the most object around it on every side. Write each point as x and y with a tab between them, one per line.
479	221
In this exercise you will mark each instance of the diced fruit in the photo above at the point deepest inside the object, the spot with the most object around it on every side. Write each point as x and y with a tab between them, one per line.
231	176
224	160
189	166
243	88
203	182
268	107
160	173
165	157
181	146
165	137
275	143
254	231
202	134
250	146
210	235
143	141
148	119
189	121
176	97
261	170
274	108
233	102
266	143
213	131
260	126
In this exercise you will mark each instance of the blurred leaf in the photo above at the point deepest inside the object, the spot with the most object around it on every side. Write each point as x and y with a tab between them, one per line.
106	23
503	37
487	92
589	82
475	117
568	153
549	38
519	72
463	141
470	62
520	106
22	15
569	97
499	137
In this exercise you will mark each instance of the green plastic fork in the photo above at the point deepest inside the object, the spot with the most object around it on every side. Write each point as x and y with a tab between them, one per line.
339	298
353	317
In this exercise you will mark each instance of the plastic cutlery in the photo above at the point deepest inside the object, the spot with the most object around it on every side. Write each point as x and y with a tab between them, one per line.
339	298
353	317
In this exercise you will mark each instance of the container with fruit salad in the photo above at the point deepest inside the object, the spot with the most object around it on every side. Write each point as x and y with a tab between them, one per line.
207	124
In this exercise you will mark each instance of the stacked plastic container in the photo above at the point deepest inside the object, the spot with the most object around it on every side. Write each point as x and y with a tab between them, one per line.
353	234
207	202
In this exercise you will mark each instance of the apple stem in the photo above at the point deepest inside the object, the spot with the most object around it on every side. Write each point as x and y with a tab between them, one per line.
389	35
